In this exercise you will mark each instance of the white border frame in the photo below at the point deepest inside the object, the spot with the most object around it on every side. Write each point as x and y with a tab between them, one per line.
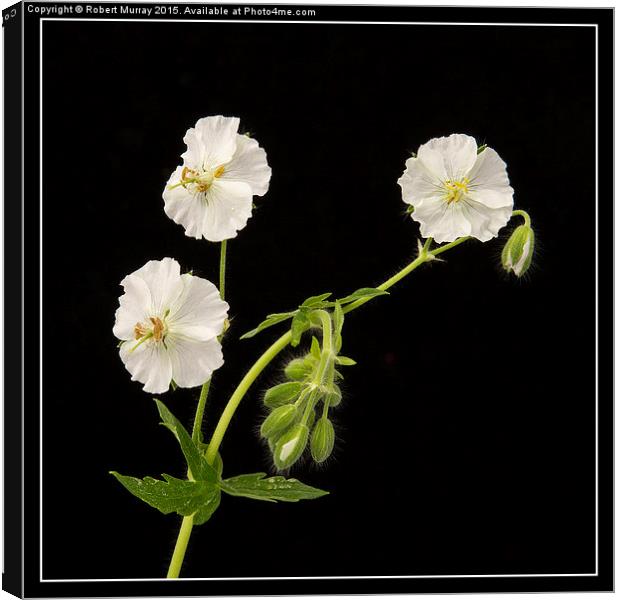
282	22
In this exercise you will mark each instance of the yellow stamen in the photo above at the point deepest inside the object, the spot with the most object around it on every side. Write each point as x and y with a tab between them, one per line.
219	171
455	190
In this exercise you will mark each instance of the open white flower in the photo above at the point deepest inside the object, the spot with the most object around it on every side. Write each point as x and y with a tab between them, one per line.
455	191
211	194
168	324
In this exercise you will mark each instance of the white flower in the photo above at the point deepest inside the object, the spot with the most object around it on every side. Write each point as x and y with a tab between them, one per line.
168	324
211	193
455	191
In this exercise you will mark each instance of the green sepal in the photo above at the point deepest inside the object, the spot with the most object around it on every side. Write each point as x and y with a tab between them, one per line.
272	319
271	489
338	318
173	385
482	148
198	466
410	209
315	348
345	361
172	495
362	293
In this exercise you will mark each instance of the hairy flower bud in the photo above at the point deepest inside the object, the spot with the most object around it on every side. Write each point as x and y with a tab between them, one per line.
333	396
322	441
299	369
283	393
291	446
518	251
278	420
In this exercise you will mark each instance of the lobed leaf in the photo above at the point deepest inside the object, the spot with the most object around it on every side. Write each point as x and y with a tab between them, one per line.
362	293
172	495
272	319
271	489
198	466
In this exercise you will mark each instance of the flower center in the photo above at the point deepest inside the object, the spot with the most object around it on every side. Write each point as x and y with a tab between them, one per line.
455	190
202	181
155	330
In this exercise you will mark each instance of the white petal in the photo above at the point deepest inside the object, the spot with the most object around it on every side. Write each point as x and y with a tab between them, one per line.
163	277
134	307
199	312
211	143
449	157
249	165
443	221
489	171
229	206
418	183
184	207
148	363
489	182
193	362
485	222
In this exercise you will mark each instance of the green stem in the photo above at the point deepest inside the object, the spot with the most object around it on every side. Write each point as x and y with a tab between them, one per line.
522	213
283	341
180	547
222	268
244	385
188	522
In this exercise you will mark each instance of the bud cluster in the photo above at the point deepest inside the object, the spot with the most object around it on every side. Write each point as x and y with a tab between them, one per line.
300	405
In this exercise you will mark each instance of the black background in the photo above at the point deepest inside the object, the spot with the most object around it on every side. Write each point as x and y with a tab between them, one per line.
466	438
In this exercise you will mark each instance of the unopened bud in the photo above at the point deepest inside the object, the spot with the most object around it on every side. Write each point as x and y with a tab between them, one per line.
283	393
333	396
299	369
322	442
291	446
518	251
278	420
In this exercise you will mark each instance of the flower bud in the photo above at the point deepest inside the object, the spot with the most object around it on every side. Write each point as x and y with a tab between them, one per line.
298	369
282	394
333	396
291	446
322	442
518	251
278	420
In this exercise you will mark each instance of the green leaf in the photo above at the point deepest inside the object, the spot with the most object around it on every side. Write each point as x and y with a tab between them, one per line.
172	495
316	301
362	293
345	361
209	506
300	323
272	319
271	489
200	469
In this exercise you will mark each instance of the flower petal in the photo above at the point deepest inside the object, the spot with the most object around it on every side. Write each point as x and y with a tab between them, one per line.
133	309
184	207
163	278
193	362
418	183
249	165
199	312
485	222
441	220
212	142
449	157
489	182
229	206
148	363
